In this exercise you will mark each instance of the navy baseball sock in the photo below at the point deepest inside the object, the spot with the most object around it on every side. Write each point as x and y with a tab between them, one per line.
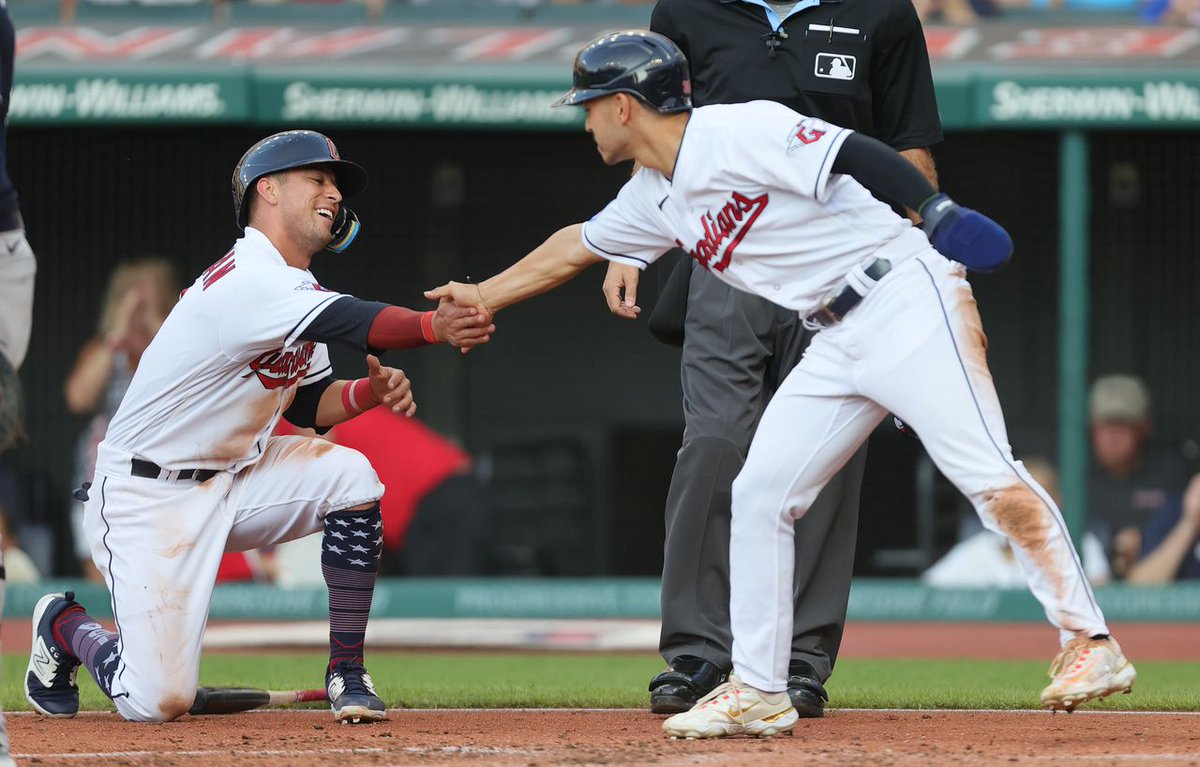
350	562
94	645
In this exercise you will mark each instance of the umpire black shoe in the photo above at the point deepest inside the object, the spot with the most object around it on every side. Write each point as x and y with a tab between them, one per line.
806	691
687	680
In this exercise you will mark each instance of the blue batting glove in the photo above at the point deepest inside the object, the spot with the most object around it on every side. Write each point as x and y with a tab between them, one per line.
965	235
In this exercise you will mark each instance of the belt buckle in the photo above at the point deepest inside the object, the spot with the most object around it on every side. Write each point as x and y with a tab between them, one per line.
825	316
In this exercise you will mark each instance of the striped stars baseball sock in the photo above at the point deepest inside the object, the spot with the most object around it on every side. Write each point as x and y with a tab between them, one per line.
94	645
350	563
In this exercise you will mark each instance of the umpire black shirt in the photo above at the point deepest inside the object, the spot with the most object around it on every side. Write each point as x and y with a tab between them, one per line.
861	64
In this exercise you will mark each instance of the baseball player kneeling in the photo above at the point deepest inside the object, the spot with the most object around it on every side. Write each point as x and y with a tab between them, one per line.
189	469
777	204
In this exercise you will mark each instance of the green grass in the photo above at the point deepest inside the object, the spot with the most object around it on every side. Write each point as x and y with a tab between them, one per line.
537	680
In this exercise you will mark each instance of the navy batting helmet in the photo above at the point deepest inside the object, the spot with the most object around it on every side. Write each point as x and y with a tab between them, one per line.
635	61
286	150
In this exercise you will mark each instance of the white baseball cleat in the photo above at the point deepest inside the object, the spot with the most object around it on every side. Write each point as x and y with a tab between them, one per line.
1087	669
735	708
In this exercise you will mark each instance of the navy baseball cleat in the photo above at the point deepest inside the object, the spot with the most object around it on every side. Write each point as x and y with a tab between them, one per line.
352	694
50	676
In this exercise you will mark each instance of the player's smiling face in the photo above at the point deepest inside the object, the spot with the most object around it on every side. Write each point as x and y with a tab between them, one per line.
310	200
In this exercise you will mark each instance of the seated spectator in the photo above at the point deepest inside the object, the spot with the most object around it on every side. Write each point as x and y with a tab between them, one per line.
985	560
1169	545
1129	478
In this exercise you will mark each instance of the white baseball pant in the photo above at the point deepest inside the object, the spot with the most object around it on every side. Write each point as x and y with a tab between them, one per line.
915	347
158	544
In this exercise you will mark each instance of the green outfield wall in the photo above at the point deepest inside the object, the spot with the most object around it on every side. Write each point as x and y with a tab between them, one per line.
870	600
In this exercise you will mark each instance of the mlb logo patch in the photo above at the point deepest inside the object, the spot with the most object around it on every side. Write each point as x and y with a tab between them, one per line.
835	66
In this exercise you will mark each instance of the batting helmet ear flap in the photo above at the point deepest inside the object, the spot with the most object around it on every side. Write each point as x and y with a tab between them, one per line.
345	228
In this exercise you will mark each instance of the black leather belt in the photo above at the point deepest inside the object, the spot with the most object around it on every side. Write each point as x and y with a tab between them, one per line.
151	470
840	302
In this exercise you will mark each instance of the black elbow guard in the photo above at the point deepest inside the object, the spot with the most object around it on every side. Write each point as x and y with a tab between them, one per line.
303	410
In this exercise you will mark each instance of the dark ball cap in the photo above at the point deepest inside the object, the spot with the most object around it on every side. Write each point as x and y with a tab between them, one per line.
635	61
287	150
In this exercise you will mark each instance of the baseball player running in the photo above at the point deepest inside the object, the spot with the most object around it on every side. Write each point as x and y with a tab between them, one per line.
777	204
189	470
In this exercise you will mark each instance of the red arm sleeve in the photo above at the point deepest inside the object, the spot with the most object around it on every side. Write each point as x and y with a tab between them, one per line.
398	328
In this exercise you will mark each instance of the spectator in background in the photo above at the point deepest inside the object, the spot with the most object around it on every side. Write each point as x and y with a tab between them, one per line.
1129	479
140	294
1170	542
985	560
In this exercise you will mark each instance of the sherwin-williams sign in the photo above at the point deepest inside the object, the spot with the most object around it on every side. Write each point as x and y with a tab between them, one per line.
1126	101
454	104
129	98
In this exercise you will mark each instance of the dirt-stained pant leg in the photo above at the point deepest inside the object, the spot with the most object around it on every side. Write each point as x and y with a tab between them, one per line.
159	544
299	480
737	347
962	427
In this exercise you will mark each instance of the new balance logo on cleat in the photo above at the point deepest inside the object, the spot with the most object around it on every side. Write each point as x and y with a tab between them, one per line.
44	663
336	687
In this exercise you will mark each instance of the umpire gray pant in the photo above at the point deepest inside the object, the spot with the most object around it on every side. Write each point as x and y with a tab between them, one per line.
737	349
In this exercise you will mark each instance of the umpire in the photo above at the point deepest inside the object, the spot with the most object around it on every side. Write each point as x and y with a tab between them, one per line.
857	63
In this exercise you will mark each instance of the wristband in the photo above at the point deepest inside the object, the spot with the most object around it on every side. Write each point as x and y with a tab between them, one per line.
427	328
357	396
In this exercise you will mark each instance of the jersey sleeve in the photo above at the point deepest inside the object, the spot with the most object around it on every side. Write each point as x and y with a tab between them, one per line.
629	230
271	309
904	104
319	368
794	151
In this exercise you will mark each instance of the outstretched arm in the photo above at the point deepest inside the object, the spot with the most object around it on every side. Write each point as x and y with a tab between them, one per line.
366	325
557	260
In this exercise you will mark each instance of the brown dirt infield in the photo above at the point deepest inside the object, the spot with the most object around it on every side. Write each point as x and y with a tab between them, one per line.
544	738
577	738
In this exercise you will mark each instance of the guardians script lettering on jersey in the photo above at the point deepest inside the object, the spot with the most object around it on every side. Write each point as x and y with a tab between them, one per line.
280	368
732	222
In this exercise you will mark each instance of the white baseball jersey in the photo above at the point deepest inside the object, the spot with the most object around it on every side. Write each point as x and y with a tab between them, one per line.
225	365
752	200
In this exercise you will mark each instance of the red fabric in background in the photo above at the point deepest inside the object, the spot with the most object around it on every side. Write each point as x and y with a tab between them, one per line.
410	458
234	567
